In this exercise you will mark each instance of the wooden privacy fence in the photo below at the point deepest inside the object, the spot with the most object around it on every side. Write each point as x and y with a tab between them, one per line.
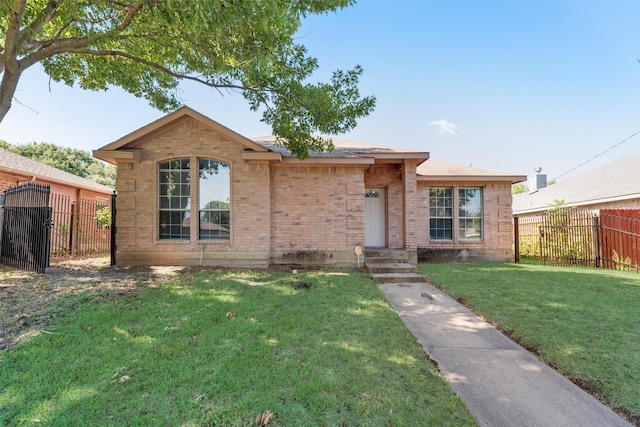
620	238
80	227
609	238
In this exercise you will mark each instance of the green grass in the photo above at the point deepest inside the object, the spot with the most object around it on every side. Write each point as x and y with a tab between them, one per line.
334	354
584	322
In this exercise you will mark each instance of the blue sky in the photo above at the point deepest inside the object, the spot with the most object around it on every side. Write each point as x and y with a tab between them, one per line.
503	85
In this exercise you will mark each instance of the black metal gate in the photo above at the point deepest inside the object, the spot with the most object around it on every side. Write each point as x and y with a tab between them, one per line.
25	227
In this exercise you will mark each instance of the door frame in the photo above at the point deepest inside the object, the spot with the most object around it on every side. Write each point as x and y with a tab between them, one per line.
384	212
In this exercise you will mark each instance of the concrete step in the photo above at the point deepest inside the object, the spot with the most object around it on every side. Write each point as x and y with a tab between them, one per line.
394	267
386	253
385	260
398	277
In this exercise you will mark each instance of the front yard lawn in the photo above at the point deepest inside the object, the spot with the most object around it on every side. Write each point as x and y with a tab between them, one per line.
227	348
584	322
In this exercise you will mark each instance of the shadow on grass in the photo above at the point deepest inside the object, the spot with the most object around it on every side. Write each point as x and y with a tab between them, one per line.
219	349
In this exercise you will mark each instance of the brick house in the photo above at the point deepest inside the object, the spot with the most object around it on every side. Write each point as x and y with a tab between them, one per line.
256	205
16	169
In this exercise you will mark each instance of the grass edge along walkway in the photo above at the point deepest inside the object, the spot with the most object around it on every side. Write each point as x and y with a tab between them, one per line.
226	348
582	322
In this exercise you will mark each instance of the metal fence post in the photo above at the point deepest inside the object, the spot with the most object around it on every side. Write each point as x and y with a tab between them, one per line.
72	227
516	236
596	242
113	228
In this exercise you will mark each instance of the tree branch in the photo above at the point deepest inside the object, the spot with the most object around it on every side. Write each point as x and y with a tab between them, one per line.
27	35
163	69
129	17
55	47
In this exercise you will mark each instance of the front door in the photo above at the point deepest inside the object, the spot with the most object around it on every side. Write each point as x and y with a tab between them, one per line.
374	218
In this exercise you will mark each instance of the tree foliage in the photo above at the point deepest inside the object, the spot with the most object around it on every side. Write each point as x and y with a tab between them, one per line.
519	188
148	46
72	160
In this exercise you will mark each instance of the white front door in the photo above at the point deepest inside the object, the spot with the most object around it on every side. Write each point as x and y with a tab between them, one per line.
374	218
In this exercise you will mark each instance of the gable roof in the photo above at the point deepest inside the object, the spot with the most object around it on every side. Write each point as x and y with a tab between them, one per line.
125	147
15	163
615	181
433	170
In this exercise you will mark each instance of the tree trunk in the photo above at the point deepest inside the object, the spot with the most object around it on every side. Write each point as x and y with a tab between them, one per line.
11	67
8	87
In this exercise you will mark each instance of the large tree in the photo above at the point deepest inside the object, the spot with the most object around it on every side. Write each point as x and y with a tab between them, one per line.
148	46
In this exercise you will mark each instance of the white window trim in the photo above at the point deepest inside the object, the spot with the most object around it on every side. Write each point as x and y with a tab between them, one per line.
456	217
457	214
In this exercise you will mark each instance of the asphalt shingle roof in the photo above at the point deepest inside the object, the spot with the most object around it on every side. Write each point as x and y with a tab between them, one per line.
11	162
617	180
343	148
434	168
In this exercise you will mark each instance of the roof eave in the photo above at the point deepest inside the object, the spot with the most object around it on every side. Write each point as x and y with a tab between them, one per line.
494	178
397	157
250	155
123	155
329	161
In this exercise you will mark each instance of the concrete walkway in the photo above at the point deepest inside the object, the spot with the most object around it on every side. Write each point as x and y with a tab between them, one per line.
501	383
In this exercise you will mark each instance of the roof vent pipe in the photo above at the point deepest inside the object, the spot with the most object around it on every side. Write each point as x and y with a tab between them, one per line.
537	180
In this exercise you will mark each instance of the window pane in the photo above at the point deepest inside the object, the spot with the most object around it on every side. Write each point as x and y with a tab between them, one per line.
441	213
470	213
214	180
173	199
164	202
214	225
174	225
441	229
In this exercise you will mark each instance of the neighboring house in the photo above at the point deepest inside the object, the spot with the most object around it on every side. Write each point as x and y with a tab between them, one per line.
612	186
74	202
16	169
191	191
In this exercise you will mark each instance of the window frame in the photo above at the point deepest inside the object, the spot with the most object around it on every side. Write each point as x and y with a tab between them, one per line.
477	218
442	219
457	217
182	236
192	234
221	211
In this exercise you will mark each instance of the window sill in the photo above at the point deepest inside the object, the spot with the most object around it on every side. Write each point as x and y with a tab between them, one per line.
456	242
213	242
173	241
